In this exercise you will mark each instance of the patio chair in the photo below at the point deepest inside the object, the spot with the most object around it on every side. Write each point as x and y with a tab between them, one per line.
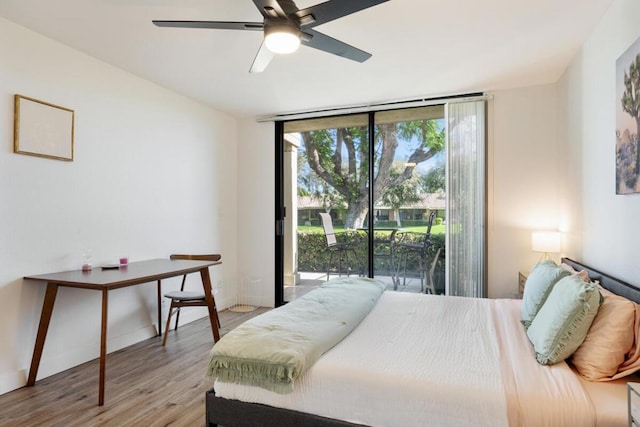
415	245
431	279
384	241
342	244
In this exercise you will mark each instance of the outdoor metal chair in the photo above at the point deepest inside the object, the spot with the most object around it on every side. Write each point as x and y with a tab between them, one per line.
342	244
412	244
431	278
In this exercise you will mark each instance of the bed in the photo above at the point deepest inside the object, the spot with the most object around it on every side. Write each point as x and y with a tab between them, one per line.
385	372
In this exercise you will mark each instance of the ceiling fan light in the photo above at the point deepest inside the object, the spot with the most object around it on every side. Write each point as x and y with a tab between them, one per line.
282	39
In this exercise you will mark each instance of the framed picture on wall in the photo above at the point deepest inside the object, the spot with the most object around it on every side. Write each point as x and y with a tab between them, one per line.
628	121
42	129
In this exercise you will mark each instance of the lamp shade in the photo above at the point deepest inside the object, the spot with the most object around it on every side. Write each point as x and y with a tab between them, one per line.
546	241
281	38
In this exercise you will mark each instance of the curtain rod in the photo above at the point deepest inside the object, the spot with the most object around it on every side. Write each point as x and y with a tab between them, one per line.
390	105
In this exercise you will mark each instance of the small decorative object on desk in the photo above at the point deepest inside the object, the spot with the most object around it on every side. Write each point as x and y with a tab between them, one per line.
124	260
86	260
633	402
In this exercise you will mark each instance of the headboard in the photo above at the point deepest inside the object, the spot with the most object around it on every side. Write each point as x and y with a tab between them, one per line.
610	283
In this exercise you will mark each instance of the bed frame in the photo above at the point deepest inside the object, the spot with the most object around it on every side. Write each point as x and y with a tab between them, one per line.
231	413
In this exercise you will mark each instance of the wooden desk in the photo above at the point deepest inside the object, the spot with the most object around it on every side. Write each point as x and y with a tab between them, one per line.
135	273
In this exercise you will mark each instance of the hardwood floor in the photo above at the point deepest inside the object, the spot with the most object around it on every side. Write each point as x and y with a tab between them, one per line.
146	384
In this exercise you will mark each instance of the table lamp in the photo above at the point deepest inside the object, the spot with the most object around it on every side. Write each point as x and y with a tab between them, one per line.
546	242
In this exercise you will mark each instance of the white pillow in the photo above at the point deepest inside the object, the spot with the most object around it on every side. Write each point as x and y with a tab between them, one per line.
541	280
562	323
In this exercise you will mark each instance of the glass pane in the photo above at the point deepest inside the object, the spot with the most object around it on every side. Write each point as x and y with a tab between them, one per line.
409	198
326	172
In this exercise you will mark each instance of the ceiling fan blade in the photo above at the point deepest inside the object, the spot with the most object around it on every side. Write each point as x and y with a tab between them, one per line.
329	44
218	25
270	9
262	59
334	9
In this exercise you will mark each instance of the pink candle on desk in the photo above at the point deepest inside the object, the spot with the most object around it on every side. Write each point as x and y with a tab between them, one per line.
124	260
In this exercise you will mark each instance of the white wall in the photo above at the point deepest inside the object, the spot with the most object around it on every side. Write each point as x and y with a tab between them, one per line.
256	207
523	180
154	173
610	229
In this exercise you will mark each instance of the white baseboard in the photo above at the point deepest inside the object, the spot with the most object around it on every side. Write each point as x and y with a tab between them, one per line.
13	381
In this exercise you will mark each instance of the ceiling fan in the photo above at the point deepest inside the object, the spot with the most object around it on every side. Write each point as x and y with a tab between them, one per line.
285	27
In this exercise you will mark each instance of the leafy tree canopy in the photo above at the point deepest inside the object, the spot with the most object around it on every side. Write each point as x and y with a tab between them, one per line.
339	157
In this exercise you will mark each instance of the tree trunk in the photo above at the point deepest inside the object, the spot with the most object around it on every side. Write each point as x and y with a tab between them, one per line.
356	213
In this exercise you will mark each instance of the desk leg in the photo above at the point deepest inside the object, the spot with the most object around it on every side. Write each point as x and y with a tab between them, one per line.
211	303
159	308
45	318
103	346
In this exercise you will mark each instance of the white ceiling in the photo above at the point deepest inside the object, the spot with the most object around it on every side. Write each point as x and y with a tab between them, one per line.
421	48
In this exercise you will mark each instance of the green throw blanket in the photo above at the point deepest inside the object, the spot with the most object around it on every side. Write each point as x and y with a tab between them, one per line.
273	349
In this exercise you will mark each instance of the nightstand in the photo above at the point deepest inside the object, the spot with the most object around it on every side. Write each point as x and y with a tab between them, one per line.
633	402
522	279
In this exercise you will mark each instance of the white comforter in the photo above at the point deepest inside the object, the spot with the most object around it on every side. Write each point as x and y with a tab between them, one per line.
420	360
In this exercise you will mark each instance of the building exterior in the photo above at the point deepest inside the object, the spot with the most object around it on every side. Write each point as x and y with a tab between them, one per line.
310	206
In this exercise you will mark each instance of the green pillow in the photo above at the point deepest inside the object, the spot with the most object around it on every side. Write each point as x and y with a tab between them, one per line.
562	323
538	287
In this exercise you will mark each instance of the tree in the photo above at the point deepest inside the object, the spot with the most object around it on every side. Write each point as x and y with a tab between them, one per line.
631	102
402	194
434	181
340	158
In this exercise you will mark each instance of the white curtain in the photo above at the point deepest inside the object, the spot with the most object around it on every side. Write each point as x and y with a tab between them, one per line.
466	177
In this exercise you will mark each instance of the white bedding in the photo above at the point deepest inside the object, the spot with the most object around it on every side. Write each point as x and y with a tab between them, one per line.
420	360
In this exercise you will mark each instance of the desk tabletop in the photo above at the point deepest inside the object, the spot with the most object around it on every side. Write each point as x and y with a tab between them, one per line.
132	274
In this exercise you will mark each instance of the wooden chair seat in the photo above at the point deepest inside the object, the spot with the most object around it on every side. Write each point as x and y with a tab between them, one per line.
184	295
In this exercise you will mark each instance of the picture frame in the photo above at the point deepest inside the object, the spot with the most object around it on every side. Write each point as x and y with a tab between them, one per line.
42	129
627	140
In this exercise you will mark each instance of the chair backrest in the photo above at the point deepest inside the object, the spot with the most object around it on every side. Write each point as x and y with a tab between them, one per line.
327	226
427	237
204	257
432	217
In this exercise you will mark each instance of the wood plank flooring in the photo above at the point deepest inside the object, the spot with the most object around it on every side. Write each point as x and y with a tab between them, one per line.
146	384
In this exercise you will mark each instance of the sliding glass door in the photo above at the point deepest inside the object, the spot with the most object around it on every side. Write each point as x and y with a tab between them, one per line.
326	188
409	198
366	194
359	191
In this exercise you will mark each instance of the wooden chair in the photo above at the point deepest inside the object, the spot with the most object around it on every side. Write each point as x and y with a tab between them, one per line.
184	298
